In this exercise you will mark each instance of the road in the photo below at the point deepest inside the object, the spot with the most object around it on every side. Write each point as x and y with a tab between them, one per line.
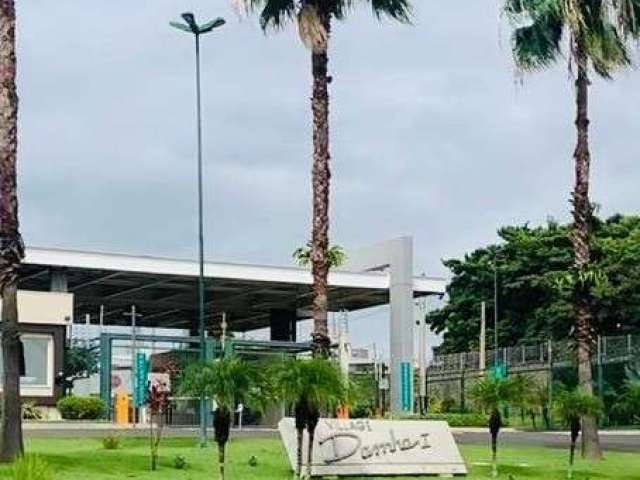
625	441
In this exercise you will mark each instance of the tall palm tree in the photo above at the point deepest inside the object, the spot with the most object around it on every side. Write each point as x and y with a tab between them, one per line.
310	386
11	247
228	382
314	19
592	35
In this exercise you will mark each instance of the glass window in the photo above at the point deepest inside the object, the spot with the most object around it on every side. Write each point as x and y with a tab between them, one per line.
38	357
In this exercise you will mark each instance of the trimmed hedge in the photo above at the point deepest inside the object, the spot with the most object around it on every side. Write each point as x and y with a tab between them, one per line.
460	419
81	408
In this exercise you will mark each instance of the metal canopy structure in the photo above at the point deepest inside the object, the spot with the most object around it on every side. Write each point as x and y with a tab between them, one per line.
164	290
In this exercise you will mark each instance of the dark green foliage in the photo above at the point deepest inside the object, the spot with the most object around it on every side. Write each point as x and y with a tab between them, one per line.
80	361
81	408
532	307
110	442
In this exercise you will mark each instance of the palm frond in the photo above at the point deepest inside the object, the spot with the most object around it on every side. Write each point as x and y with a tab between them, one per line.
317	381
228	381
399	10
537	46
606	50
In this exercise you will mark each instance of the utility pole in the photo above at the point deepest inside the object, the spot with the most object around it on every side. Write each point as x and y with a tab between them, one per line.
483	332
495	312
422	354
134	351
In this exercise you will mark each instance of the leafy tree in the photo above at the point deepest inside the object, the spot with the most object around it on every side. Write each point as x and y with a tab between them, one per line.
159	402
228	382
491	394
572	405
596	31
532	307
310	386
11	245
314	19
80	361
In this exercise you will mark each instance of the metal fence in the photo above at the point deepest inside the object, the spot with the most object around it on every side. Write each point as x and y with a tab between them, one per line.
608	350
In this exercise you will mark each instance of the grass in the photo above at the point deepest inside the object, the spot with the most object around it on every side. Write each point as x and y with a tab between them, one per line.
86	459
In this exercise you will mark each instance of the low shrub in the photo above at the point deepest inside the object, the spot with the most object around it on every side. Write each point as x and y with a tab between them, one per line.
460	419
111	442
81	408
179	462
30	411
31	467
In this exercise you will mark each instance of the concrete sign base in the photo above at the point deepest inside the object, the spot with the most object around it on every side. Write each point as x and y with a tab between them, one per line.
377	447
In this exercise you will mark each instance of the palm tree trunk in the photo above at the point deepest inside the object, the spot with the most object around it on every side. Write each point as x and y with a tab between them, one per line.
221	427
320	182
11	248
300	438
221	459
312	422
582	251
495	423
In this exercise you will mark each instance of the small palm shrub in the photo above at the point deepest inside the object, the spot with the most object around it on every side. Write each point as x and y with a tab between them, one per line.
111	442
310	386
491	394
228	381
571	406
81	408
31	467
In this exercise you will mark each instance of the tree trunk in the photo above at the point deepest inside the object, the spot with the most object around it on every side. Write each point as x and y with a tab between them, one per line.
320	182
580	236
11	248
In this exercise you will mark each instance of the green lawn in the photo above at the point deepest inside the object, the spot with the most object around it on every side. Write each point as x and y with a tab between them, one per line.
85	459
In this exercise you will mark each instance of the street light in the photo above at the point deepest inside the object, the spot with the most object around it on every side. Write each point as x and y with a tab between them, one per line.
197	30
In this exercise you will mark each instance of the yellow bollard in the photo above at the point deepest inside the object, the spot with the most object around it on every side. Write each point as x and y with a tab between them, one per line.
122	408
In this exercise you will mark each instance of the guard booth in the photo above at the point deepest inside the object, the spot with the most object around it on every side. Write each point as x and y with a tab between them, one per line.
123	384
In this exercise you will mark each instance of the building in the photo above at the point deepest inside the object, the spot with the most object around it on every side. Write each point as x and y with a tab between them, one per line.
60	288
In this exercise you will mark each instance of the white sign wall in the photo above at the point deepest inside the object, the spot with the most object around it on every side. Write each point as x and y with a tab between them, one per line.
377	447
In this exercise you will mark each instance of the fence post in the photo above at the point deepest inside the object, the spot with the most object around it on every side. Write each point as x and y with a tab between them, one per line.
600	372
550	381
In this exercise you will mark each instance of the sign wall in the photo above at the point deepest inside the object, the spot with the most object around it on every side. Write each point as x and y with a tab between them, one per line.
377	447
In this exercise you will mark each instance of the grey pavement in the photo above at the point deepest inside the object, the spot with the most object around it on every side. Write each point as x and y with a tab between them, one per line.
614	440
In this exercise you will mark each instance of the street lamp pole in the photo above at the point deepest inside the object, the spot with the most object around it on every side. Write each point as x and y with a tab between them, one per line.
197	30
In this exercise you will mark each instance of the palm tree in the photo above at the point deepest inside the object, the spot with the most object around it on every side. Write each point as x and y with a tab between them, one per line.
314	19
308	385
335	254
594	34
228	382
11	247
490	394
571	407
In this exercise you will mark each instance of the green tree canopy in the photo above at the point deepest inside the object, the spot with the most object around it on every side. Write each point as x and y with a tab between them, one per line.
532	308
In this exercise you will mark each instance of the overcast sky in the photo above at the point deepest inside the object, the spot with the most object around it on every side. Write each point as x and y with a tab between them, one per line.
432	133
